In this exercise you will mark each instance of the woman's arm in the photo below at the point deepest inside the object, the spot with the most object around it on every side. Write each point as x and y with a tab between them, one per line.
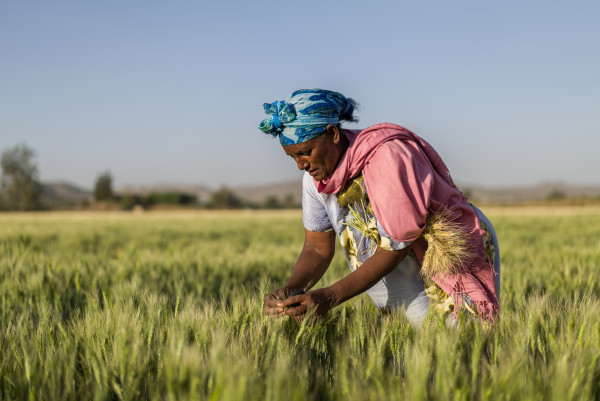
360	280
317	252
316	255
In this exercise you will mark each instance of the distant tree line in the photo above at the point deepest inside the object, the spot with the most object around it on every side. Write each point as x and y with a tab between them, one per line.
224	198
220	199
21	189
129	200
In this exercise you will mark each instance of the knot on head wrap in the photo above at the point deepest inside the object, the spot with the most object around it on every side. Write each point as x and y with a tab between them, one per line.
305	115
281	113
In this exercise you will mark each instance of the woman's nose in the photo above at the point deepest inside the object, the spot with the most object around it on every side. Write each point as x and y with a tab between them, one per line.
302	163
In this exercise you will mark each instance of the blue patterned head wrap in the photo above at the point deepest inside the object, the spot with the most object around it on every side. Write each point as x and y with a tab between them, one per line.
305	115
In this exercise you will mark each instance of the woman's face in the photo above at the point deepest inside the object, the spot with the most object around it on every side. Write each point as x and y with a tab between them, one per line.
319	156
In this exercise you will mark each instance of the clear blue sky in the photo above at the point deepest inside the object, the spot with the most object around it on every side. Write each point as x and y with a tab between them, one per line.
507	92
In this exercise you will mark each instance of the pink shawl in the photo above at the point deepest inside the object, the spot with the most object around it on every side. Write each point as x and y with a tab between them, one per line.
406	180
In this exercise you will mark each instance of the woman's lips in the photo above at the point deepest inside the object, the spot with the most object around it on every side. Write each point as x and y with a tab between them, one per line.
313	172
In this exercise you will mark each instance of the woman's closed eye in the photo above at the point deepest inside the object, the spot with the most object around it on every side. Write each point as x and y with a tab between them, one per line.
304	153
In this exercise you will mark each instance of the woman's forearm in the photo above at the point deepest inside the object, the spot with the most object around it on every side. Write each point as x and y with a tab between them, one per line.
310	267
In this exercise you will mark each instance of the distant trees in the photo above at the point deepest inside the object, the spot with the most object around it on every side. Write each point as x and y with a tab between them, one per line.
224	199
170	198
19	182
274	202
130	199
103	188
290	203
20	189
271	202
556	194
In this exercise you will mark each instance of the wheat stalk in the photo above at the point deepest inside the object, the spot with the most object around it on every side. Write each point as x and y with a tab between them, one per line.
360	224
448	247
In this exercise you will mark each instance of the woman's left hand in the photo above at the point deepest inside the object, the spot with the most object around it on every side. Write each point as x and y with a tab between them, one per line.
319	302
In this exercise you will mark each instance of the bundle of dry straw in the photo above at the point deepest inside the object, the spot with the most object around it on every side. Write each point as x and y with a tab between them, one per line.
448	247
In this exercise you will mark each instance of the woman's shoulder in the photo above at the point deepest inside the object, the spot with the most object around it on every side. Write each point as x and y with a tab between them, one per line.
397	152
383	137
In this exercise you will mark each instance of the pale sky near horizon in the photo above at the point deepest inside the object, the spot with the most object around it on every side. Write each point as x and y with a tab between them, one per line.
507	92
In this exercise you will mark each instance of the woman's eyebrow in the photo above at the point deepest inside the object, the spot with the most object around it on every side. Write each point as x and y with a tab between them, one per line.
301	151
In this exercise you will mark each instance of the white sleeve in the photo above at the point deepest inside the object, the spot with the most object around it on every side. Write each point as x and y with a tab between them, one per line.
314	213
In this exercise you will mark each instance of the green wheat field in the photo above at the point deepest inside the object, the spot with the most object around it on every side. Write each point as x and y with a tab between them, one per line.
168	306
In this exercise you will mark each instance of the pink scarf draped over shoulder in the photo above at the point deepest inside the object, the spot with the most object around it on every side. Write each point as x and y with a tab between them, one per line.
406	180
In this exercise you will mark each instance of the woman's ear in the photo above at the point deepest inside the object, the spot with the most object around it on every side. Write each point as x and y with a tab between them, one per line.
334	133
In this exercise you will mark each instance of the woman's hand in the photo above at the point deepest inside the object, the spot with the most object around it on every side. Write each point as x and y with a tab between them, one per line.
316	303
272	300
312	263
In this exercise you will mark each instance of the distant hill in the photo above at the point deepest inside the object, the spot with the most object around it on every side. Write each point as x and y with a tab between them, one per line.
544	191
280	191
63	193
550	190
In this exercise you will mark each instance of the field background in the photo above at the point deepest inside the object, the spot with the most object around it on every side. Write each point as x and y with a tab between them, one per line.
169	306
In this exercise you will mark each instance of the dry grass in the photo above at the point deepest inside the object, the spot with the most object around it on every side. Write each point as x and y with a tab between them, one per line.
448	248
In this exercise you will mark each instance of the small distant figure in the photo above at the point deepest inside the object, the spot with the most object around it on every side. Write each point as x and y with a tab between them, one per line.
410	237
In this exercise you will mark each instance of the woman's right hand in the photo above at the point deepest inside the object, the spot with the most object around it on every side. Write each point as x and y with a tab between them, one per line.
313	261
271	300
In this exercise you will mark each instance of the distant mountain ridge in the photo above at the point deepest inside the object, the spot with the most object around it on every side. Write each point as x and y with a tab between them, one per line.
280	191
537	192
63	192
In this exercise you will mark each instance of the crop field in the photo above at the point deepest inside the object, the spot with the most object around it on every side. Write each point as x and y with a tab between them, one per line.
167	306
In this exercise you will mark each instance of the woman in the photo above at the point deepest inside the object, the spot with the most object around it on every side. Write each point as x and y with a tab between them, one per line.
410	237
